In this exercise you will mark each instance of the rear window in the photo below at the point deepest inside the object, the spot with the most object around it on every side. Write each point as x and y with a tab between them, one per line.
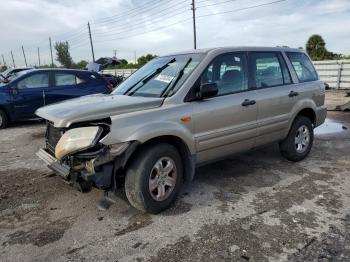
303	66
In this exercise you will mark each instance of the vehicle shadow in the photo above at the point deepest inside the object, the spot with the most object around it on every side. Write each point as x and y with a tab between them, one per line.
26	123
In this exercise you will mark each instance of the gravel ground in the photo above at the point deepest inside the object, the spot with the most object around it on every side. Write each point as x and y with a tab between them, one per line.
256	206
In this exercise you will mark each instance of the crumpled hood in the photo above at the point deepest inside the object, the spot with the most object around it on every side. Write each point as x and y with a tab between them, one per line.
94	107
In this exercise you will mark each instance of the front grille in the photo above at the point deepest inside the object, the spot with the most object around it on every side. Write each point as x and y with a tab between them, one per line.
53	135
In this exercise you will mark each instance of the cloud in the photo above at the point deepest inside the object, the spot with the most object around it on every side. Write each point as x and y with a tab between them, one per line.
128	26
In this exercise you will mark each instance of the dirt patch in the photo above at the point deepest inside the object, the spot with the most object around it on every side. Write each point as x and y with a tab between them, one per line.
180	207
136	222
284	197
26	186
40	235
240	240
38	135
330	246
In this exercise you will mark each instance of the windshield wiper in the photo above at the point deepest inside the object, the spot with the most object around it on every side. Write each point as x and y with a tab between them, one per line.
145	79
174	81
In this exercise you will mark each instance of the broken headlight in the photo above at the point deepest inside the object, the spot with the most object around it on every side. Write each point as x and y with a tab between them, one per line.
77	139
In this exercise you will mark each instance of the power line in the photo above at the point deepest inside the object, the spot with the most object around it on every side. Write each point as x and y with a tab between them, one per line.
136	27
219	3
148	31
187	19
127	25
242	9
130	12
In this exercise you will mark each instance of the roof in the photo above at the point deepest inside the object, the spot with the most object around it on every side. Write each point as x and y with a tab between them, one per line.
56	70
237	49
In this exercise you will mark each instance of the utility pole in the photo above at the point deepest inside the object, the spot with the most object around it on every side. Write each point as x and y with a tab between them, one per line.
24	55
193	8
13	60
115	52
39	56
135	57
51	52
3	59
92	47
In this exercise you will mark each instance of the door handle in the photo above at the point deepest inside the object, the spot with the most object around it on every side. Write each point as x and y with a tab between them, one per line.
292	93
248	102
44	97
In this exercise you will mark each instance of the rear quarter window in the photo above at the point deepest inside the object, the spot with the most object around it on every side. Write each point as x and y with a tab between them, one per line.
303	67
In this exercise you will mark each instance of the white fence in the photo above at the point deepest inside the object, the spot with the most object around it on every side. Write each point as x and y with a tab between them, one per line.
335	72
125	73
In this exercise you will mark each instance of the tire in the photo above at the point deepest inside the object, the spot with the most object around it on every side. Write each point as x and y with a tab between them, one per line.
148	171
297	145
3	119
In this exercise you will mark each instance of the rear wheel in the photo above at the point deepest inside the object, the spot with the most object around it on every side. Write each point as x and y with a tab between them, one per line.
3	119
299	141
154	178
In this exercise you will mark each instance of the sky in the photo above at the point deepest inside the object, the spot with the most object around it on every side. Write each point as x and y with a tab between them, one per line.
165	26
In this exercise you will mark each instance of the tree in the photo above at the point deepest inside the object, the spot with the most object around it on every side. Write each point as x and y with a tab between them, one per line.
144	59
80	65
62	54
3	68
316	48
123	62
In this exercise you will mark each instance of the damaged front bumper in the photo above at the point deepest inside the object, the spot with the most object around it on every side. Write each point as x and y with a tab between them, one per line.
59	168
97	168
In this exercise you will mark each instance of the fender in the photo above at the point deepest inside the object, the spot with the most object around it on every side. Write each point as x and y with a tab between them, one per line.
298	107
152	130
5	102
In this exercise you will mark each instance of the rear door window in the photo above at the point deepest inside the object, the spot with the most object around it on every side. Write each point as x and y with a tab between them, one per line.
269	71
64	79
34	81
303	66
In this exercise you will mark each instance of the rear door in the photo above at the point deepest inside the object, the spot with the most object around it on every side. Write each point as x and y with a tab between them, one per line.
309	86
224	124
28	93
272	81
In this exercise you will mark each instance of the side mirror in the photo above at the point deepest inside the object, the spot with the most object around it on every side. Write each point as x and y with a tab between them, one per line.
207	90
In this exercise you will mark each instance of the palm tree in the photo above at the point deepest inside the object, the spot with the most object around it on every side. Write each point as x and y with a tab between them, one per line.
316	48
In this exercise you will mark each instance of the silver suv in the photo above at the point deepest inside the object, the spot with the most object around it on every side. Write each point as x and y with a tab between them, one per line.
181	111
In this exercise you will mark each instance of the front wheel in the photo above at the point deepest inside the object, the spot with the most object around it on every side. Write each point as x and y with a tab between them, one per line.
154	178
298	143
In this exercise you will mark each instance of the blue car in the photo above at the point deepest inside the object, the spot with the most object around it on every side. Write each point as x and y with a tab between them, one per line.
28	90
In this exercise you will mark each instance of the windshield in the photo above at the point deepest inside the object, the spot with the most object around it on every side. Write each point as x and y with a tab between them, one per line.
12	77
16	75
154	78
2	80
6	72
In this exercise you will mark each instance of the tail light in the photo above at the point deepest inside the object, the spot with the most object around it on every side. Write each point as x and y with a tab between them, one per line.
110	87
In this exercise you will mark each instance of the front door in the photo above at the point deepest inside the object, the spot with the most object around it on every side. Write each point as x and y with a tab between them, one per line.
225	124
27	94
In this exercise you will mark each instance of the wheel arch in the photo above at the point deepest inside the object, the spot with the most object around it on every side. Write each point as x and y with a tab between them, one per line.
8	115
309	113
188	159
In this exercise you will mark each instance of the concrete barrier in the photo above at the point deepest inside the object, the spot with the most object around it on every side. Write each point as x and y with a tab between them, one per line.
335	72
